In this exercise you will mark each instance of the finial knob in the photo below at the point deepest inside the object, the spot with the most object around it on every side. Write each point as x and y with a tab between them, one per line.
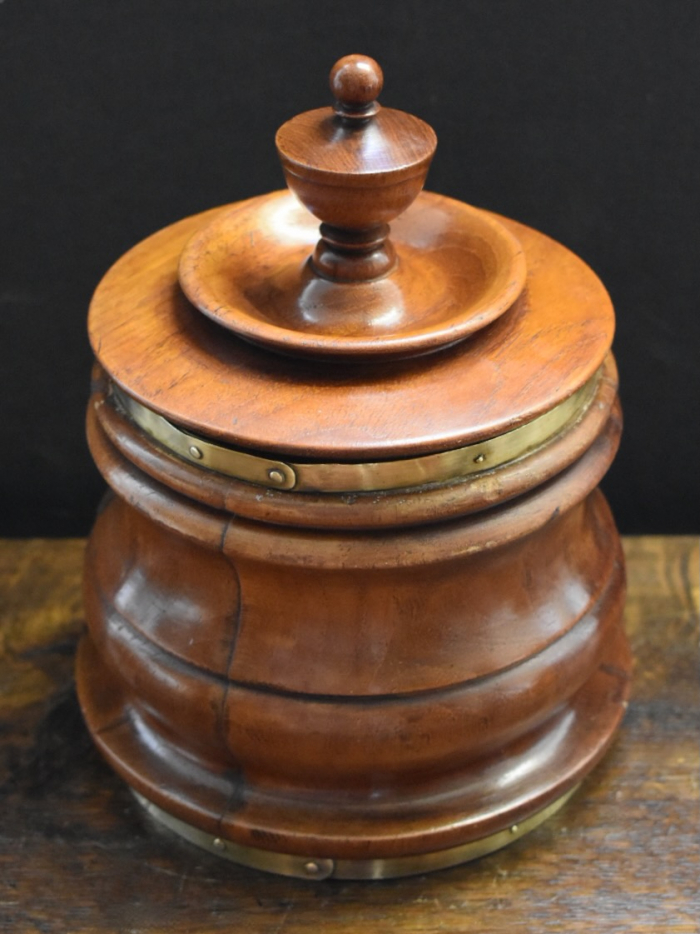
356	82
356	168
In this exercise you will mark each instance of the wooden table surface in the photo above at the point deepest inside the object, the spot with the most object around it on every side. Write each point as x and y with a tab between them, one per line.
77	854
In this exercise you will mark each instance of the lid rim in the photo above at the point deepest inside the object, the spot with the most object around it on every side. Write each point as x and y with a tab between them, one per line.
419	145
171	358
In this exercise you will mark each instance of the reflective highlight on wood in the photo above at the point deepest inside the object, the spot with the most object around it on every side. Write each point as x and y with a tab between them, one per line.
354	606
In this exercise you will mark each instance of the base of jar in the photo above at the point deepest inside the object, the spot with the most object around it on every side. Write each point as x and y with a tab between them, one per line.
317	868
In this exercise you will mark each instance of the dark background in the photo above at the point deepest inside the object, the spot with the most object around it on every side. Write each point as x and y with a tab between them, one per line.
579	119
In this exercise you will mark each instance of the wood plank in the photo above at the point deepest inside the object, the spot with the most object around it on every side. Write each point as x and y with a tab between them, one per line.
77	855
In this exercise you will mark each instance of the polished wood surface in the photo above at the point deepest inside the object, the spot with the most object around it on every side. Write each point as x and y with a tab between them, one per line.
338	702
378	510
78	855
177	362
299	689
356	81
356	167
458	269
366	696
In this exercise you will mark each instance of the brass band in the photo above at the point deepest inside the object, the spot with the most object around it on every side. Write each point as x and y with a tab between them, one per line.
443	467
317	868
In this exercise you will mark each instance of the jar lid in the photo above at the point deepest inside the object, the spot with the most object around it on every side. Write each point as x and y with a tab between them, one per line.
454	327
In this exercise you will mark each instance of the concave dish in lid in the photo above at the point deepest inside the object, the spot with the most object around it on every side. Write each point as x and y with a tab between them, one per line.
442	275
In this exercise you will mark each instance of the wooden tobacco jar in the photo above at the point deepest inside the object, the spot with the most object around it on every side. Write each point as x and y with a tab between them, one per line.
354	606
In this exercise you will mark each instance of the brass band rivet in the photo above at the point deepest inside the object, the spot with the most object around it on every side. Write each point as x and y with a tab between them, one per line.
440	467
304	867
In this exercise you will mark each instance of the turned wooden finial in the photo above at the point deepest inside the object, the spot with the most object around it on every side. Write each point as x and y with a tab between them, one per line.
356	167
356	82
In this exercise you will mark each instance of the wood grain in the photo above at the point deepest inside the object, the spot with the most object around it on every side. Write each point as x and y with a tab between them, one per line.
380	509
77	855
354	694
355	167
176	361
248	269
369	695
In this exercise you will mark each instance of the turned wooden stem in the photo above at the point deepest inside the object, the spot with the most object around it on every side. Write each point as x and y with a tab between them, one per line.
353	255
349	254
356	167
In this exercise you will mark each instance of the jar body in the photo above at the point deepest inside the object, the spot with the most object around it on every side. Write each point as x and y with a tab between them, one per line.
353	695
